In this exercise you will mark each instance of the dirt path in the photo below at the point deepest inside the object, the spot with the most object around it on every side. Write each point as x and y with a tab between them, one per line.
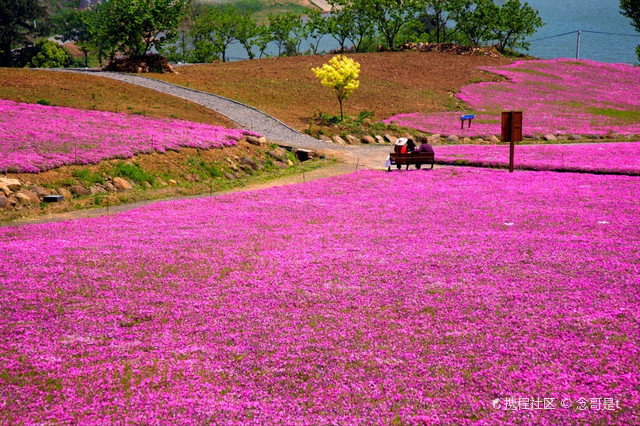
322	173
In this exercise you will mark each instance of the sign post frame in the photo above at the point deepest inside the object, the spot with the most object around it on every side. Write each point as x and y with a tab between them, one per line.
511	132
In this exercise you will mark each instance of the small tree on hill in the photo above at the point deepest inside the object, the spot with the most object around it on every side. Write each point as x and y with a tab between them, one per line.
390	16
340	74
513	23
135	26
474	19
218	27
631	9
438	16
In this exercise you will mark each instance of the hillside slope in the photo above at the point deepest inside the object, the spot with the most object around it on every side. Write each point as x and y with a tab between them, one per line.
391	82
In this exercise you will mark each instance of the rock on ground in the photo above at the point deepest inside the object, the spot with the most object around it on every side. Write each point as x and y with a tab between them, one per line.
121	184
12	184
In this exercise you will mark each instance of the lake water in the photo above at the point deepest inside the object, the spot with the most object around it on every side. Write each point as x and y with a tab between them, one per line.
560	16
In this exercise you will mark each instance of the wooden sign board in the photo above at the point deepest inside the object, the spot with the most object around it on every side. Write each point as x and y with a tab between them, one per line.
511	126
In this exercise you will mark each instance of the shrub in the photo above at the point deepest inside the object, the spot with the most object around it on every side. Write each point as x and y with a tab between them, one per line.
147	63
47	54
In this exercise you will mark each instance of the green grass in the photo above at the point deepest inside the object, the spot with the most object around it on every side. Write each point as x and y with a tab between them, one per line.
627	116
204	169
87	177
134	172
261	8
536	72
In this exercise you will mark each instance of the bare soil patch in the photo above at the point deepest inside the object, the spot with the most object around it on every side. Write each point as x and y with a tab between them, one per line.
86	91
391	83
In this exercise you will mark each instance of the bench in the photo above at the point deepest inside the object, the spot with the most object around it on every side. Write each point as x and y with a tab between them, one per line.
416	158
466	118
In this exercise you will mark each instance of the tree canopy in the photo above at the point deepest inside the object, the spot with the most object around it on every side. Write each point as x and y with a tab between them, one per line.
341	75
631	9
18	19
135	26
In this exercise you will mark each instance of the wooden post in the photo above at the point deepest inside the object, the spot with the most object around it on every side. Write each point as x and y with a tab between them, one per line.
511	132
512	150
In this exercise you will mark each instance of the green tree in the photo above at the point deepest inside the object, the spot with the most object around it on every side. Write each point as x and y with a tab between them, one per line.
475	19
363	27
263	38
136	26
438	16
316	28
299	33
247	31
218	27
102	43
49	55
514	22
74	25
631	9
282	28
18	19
339	24
391	16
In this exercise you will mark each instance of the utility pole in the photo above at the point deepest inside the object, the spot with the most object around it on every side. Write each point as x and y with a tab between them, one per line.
578	45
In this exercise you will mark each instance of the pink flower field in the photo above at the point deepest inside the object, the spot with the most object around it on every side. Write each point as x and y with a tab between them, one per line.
557	96
616	158
35	138
452	296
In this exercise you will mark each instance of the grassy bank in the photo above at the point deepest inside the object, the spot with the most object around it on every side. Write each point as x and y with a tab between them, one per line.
90	92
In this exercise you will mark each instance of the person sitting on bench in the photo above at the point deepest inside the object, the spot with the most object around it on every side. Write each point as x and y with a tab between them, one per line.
400	148
424	147
411	146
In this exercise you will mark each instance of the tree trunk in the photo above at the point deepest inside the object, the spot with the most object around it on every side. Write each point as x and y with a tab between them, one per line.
341	112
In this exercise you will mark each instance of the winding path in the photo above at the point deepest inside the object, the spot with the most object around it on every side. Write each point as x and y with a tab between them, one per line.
250	118
246	116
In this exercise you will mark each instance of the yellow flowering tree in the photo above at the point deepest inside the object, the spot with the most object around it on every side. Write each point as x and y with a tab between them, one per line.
340	74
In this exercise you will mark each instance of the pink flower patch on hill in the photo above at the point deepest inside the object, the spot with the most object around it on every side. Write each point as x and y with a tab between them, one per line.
600	158
437	297
35	138
557	96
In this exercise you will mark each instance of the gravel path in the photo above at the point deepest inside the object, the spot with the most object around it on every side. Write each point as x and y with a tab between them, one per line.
246	116
362	156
